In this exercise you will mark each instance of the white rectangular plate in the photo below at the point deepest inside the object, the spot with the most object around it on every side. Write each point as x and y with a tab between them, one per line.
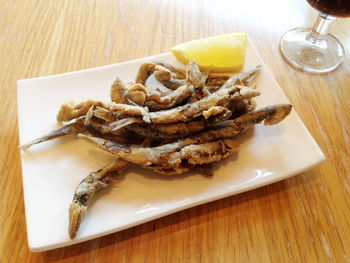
52	170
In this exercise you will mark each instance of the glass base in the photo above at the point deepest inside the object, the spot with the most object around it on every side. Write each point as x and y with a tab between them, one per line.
308	54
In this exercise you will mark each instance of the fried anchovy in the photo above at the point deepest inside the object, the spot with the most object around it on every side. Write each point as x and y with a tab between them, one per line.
117	91
169	155
130	111
167	78
271	115
86	190
190	111
241	78
245	78
79	125
106	115
102	127
129	93
136	93
193	87
179	72
147	69
70	128
251	77
178	130
157	102
197	79
71	110
223	130
185	113
194	156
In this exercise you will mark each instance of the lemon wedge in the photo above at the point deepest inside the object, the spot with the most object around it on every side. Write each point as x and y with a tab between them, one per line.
223	53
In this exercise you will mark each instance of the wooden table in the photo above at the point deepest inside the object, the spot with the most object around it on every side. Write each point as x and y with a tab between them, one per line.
301	219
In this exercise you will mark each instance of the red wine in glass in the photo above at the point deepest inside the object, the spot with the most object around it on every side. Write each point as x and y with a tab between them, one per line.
314	49
338	8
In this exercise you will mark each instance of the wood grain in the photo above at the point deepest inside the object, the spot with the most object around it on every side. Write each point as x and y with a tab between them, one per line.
301	219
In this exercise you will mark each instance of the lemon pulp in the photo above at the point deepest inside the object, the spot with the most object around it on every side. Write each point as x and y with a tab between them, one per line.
221	53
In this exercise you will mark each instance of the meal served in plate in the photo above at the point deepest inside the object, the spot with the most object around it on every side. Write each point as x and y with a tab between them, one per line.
190	121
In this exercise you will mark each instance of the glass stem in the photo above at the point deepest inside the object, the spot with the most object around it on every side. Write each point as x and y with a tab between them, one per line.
320	28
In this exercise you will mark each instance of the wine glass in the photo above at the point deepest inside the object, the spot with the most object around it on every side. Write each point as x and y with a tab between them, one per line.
314	49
